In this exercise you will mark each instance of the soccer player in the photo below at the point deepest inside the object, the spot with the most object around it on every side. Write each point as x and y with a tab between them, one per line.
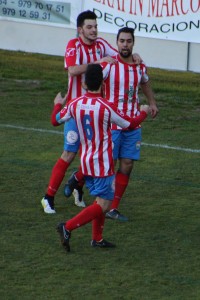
80	52
122	81
93	116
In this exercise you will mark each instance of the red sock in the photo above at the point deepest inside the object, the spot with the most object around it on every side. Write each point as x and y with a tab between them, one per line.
85	216
57	175
80	177
121	182
97	228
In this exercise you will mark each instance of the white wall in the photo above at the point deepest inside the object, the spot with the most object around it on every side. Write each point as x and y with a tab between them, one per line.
34	38
194	58
52	40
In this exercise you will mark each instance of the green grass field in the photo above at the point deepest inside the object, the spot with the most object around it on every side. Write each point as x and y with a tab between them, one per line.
158	250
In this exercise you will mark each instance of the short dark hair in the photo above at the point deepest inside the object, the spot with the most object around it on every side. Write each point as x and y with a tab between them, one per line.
88	14
126	30
93	77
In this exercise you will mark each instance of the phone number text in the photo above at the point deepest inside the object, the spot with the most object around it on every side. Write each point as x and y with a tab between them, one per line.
51	11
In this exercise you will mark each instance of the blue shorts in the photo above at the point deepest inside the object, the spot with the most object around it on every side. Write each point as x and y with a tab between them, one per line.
127	143
71	136
103	187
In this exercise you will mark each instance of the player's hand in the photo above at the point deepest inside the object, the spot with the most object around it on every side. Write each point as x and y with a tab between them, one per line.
59	99
145	108
137	59
154	110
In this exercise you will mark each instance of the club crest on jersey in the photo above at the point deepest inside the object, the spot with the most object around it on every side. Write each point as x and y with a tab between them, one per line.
130	95
70	52
98	51
72	137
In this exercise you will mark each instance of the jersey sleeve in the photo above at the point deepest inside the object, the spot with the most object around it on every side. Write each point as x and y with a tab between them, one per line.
60	115
116	116
109	50
105	69
123	121
71	54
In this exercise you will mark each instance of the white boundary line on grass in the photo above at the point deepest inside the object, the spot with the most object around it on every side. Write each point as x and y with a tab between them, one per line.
172	148
61	132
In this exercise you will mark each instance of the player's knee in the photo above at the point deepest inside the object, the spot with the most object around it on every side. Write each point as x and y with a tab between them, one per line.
126	166
105	204
68	156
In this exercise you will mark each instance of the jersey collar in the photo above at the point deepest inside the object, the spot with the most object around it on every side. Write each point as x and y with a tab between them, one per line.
84	44
89	94
123	62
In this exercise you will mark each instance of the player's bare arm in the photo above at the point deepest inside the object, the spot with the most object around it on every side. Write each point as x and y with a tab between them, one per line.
147	91
80	69
77	70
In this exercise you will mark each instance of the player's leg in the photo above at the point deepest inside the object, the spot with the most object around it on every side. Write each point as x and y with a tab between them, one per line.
94	211
74	186
129	151
71	146
114	213
57	175
105	189
73	143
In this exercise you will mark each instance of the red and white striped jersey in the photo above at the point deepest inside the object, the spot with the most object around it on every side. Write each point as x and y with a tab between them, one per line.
78	53
93	116
122	82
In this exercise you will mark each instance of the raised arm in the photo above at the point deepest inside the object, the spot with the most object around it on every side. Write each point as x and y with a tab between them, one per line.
125	121
80	69
58	104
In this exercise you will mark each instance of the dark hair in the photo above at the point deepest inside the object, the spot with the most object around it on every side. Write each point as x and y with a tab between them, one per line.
126	30
88	14
93	77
